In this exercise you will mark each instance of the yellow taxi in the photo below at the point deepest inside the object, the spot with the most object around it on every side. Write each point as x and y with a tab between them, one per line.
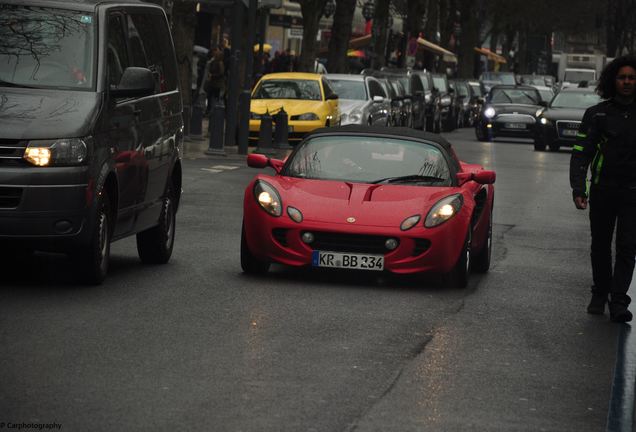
307	98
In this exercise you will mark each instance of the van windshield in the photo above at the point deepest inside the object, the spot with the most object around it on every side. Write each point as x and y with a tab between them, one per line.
46	47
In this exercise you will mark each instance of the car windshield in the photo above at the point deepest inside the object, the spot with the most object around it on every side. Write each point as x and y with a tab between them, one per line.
348	89
546	95
574	76
287	89
46	48
364	159
504	78
440	84
514	96
575	100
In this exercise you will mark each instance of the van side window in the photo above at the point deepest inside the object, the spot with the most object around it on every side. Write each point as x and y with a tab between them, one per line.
152	48
116	49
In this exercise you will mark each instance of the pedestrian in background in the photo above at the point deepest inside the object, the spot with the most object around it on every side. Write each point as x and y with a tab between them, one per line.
215	78
606	143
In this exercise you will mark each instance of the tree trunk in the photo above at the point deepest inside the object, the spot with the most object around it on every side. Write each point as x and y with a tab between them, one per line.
312	11
379	33
183	25
469	39
340	36
430	32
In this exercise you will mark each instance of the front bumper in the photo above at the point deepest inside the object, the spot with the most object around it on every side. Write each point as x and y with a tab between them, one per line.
511	125
44	205
278	239
560	132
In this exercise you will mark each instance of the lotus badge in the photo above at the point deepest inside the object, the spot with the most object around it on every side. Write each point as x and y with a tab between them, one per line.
351	219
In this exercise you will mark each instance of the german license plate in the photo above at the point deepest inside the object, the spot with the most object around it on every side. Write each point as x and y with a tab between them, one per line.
569	132
515	125
347	260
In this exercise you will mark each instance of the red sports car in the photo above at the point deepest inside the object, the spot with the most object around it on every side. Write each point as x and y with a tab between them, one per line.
370	198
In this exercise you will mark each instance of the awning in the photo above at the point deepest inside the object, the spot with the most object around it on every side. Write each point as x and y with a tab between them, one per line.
360	42
491	55
447	55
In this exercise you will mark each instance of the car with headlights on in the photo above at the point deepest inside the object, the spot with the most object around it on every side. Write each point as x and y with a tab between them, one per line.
371	199
509	111
91	131
361	98
307	98
558	124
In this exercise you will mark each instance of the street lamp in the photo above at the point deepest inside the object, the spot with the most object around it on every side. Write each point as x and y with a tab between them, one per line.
368	10
330	8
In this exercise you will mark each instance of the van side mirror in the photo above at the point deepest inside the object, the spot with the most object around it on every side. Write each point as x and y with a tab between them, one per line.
135	82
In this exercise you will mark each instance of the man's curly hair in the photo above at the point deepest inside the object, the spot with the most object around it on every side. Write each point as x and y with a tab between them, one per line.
606	87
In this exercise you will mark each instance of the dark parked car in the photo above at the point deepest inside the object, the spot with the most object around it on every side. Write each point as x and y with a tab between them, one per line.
449	102
91	130
431	101
463	93
477	97
414	90
509	111
396	106
559	123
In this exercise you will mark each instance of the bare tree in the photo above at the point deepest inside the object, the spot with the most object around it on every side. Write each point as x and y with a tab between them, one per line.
312	11
340	35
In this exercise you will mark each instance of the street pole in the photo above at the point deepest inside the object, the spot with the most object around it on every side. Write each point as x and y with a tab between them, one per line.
232	99
245	99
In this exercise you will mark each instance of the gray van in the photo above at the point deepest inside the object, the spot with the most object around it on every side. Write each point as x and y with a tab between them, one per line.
91	130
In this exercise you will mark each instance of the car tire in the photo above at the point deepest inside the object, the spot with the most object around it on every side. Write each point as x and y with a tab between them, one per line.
155	244
93	258
249	263
554	147
539	144
458	276
481	260
481	134
449	123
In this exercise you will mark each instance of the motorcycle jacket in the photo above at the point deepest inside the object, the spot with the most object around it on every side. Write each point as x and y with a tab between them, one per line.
606	143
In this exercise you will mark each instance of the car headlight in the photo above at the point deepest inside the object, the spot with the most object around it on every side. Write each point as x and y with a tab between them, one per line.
268	198
444	210
308	116
544	121
445	100
539	112
355	116
489	112
61	152
410	222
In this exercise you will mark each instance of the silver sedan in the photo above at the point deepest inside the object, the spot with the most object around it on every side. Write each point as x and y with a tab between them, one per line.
362	99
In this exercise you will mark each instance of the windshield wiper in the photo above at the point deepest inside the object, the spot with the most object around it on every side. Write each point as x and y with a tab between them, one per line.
408	178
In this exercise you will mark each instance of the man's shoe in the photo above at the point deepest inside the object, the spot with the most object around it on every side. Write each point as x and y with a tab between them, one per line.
597	304
619	313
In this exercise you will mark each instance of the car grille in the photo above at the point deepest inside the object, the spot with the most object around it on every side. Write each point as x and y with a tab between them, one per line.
10	197
355	243
563	126
11	152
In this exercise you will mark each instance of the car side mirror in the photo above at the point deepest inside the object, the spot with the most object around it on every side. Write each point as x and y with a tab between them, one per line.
378	99
256	160
135	82
481	177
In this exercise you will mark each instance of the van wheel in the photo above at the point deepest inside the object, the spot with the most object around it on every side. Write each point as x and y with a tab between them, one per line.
155	245
94	257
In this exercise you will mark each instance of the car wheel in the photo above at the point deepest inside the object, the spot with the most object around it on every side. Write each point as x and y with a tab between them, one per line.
155	245
449	123
93	258
458	276
481	259
481	133
249	263
554	147
539	145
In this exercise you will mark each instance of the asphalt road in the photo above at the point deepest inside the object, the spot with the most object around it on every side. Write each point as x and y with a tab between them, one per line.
196	345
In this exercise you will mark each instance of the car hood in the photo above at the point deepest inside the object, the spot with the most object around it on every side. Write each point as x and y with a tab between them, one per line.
348	105
46	114
291	106
515	108
564	113
371	205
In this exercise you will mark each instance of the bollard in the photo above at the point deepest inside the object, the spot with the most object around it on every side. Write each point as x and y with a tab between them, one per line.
217	129
196	118
281	134
265	135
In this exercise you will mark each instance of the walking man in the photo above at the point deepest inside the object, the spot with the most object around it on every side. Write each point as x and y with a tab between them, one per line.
606	143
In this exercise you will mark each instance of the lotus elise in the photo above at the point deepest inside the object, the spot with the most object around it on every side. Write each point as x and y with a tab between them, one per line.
371	199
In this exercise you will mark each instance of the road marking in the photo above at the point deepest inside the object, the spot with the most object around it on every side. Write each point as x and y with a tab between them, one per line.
225	167
212	170
621	410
